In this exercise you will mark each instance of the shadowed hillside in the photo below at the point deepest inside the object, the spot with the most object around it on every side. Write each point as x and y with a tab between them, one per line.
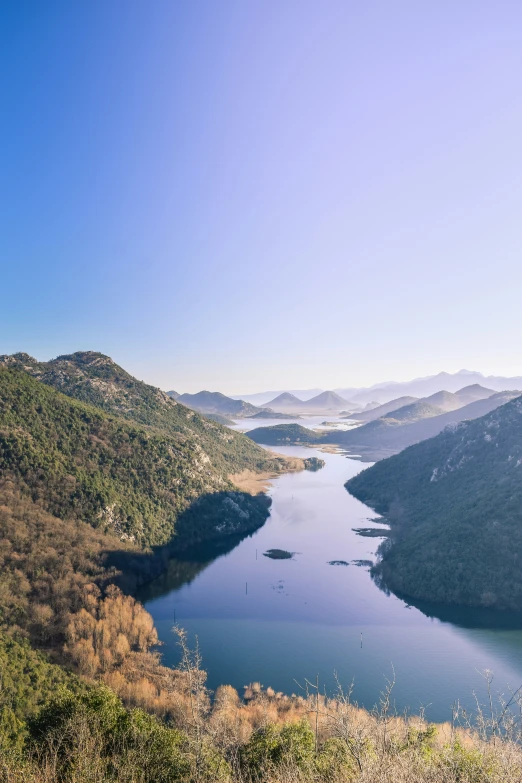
455	506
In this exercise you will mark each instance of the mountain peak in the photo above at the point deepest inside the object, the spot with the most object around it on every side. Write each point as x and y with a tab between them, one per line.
285	398
17	358
84	357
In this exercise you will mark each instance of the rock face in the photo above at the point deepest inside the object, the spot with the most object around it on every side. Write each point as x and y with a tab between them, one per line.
97	379
454	503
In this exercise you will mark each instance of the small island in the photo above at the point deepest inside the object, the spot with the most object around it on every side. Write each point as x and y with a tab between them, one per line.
284	434
279	554
266	413
372	532
313	463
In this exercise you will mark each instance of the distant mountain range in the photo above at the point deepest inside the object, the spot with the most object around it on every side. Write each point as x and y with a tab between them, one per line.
399	427
321	403
418	421
381	393
262	398
454	503
215	402
424	387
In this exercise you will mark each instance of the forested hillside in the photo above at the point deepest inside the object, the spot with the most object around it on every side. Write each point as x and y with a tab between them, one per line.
455	506
96	379
129	480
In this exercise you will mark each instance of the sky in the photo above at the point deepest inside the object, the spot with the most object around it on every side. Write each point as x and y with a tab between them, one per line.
270	194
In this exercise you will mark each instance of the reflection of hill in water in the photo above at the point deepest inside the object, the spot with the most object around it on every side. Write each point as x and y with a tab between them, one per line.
498	634
462	616
185	567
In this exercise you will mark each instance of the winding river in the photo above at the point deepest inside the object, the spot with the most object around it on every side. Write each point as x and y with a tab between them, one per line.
280	622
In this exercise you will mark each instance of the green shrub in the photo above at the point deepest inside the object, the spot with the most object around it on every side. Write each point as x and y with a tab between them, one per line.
120	742
271	746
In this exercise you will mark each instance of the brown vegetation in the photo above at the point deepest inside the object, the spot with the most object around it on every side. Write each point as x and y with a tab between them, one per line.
255	482
45	565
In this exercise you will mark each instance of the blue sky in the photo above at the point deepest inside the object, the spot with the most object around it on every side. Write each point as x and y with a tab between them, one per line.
266	194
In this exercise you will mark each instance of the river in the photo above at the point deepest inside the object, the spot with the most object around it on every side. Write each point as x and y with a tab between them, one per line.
280	622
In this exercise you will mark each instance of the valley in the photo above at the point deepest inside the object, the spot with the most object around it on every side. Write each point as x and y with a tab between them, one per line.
281	621
114	493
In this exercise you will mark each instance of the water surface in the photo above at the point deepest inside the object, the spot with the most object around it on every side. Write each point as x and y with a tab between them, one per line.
281	621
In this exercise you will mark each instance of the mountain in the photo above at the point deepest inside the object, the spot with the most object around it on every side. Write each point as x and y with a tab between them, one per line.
473	393
262	399
283	434
424	387
382	410
215	402
285	402
382	393
444	400
454	503
388	435
95	378
326	401
321	403
173	394
138	464
416	411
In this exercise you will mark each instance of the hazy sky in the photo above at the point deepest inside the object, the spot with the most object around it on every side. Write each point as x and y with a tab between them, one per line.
265	193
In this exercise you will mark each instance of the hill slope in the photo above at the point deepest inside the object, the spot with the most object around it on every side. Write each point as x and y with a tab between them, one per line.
473	393
215	402
455	506
416	411
380	411
145	484
96	379
444	400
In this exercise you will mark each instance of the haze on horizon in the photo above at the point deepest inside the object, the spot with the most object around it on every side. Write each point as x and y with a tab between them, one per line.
244	197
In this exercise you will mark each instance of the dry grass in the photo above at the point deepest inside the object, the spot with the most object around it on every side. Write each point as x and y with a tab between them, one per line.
254	483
